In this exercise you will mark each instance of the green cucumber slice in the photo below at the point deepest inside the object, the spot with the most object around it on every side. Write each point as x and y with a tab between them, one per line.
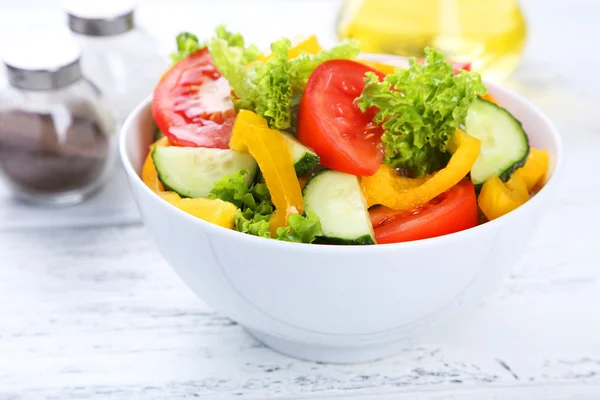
193	171
504	143
338	201
305	160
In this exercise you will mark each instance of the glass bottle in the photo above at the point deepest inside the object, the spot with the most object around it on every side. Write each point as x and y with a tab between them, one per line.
490	34
120	57
57	139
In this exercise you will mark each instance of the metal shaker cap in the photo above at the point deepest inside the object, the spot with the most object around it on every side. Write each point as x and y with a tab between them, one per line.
100	18
42	60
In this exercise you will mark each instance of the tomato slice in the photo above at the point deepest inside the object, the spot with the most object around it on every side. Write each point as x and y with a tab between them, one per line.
452	211
331	123
192	103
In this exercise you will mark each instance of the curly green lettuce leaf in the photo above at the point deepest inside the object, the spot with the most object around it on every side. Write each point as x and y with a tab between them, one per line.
420	109
273	89
254	204
233	188
255	209
254	222
301	229
187	43
231	63
260	191
249	53
233	39
262	87
302	66
269	88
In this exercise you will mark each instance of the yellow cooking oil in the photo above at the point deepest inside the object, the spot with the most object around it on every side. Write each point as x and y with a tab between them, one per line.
490	34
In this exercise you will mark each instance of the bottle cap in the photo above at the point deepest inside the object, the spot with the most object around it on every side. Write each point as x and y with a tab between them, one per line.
42	60
100	18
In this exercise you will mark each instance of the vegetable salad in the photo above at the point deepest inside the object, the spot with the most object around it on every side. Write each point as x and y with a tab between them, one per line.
308	145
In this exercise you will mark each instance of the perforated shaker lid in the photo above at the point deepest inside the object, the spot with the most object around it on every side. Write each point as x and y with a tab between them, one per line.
42	60
100	17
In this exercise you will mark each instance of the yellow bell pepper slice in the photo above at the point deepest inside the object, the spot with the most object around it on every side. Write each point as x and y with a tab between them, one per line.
252	134
386	69
170	197
308	45
535	169
216	211
399	193
386	187
489	97
498	198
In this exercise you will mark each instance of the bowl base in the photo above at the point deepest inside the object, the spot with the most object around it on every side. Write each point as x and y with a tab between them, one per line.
329	354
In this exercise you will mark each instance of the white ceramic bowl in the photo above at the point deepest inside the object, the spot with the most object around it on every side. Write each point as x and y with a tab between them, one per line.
340	304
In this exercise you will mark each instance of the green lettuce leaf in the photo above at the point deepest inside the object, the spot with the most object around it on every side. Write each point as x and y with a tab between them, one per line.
262	87
268	88
254	222
273	90
260	192
301	229
255	209
187	43
254	204
231	63
233	39
233	189
419	110
302	66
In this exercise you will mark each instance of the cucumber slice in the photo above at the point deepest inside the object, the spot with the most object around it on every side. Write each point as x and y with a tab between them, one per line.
193	171
305	160
504	143
338	201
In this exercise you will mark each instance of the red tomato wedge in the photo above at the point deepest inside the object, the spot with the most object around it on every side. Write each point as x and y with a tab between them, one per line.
331	123
452	211
192	104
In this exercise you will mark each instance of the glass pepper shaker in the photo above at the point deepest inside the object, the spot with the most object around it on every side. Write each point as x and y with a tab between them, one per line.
119	56
57	139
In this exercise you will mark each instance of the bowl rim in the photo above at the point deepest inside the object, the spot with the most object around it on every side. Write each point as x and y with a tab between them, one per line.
229	234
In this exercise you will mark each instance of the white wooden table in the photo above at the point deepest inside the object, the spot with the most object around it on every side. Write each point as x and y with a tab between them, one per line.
89	309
